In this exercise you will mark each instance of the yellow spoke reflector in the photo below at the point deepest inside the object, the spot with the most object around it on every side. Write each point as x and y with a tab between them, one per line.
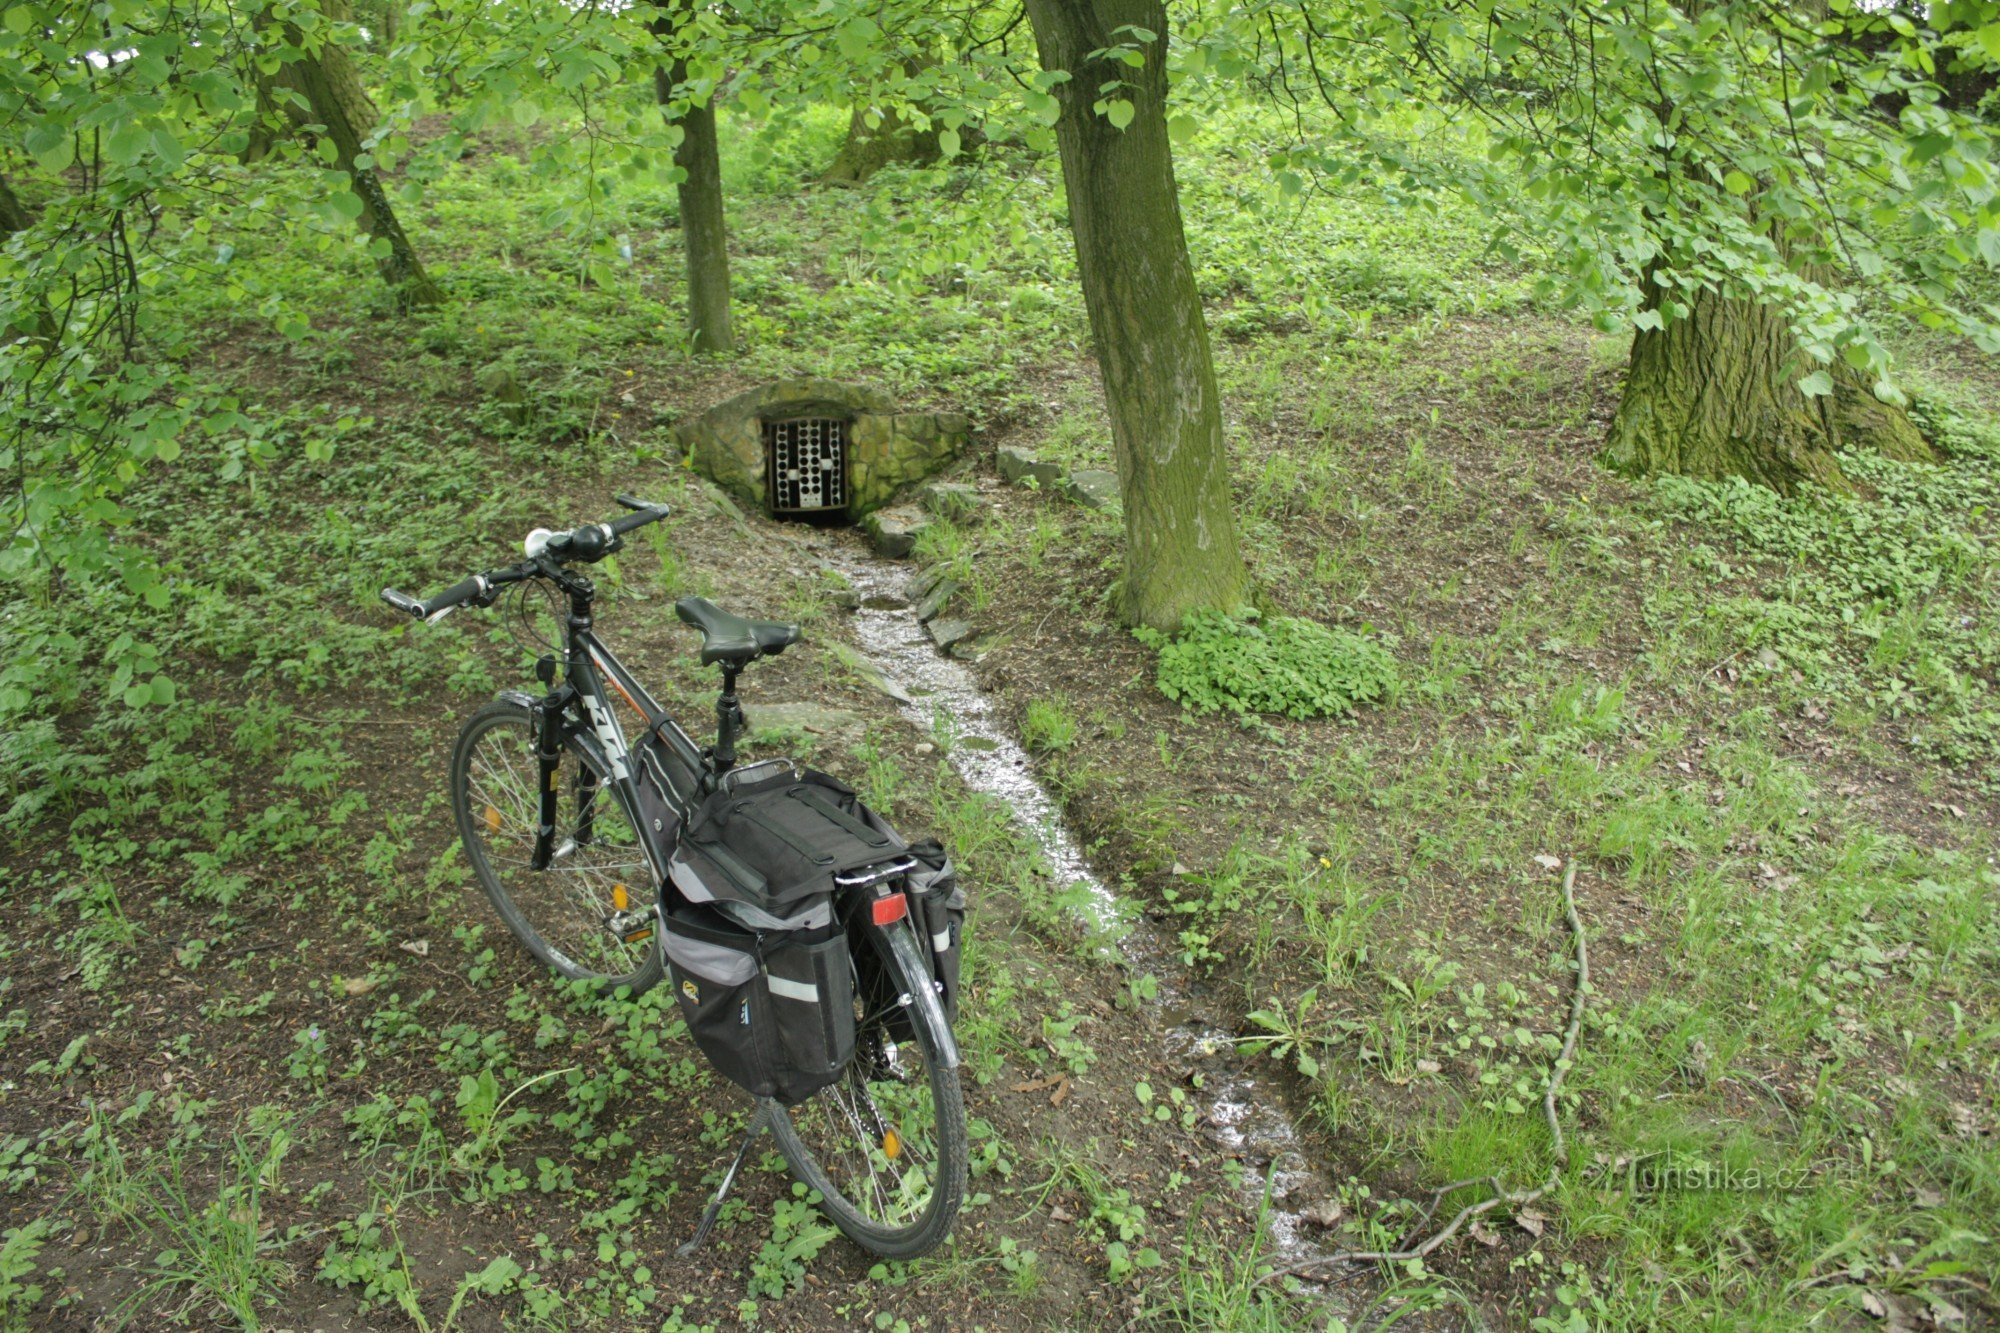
492	819
620	898
892	1144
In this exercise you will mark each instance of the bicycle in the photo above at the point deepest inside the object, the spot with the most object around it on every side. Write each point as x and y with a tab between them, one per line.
553	811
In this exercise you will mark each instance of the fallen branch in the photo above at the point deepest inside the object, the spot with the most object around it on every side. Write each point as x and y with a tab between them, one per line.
1513	1199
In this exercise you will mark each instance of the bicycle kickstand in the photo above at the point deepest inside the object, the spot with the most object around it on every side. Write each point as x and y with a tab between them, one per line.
757	1127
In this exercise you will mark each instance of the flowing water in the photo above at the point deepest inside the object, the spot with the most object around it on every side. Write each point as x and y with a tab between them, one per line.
939	694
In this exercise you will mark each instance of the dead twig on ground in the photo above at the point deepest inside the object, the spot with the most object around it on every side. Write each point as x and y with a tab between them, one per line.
1514	1200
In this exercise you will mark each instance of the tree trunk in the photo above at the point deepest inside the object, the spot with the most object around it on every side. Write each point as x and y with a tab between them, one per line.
328	81
866	151
39	322
1715	394
704	234
1145	316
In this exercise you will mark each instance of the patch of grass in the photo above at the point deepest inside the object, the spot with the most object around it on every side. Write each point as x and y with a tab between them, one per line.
1049	725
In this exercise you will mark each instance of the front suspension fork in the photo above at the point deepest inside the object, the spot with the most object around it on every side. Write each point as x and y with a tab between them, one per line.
548	775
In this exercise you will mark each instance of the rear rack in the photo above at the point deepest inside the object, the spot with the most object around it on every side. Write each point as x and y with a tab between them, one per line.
875	874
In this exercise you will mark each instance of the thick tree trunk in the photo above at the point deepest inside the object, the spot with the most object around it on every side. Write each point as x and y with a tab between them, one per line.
704	234
332	88
38	321
1145	316
866	151
1715	394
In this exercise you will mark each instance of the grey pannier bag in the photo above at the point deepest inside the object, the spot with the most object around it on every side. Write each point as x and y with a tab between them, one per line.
760	964
772	1008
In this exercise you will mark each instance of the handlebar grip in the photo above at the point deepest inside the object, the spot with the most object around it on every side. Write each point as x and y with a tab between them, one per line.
457	594
403	602
648	513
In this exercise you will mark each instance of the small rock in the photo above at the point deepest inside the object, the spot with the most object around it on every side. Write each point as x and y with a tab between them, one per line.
1092	488
975	649
936	599
845	598
358	985
895	530
926	580
1017	464
813	719
869	673
945	633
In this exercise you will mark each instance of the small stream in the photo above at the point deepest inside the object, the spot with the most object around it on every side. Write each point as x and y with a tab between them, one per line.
1245	1115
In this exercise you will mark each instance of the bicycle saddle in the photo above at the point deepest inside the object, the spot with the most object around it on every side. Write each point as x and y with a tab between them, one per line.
732	639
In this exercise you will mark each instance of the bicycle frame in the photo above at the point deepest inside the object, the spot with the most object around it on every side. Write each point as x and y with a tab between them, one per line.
589	666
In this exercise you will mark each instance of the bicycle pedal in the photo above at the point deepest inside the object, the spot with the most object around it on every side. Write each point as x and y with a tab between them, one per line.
633	927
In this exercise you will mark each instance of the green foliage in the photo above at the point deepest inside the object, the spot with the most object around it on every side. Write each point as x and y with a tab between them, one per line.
1287	665
798	1233
1740	147
1049	725
1884	596
19	1294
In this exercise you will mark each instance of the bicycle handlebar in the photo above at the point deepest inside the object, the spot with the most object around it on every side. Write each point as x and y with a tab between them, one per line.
586	544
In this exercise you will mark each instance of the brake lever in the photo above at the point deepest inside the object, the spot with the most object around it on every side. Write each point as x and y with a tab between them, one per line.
436	616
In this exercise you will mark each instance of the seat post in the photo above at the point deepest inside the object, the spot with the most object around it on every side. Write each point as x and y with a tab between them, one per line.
728	719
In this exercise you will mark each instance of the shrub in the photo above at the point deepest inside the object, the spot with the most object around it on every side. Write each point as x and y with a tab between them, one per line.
1283	664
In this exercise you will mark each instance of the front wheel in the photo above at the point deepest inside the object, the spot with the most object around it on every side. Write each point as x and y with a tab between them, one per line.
886	1146
563	913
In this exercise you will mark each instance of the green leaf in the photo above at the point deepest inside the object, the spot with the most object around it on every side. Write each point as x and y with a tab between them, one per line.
163	690
347	203
1119	112
948	143
1737	182
19	19
1989	40
1816	385
1182	128
53	147
168	149
857	37
125	143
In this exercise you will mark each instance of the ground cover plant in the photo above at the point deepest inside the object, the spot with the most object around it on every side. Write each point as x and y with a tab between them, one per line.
266	1059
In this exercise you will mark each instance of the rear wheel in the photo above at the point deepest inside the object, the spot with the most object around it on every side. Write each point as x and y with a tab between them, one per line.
886	1146
563	913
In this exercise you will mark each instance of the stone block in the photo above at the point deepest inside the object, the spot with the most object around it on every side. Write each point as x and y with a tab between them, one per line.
1018	464
945	633
936	599
1093	489
894	531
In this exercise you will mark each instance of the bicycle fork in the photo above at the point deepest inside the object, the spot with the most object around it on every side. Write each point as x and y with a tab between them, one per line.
548	776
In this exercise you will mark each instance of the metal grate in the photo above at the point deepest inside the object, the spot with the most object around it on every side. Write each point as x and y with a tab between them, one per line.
806	462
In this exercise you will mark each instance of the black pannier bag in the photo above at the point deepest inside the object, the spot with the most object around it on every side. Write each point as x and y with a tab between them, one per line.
663	781
772	1009
760	966
771	841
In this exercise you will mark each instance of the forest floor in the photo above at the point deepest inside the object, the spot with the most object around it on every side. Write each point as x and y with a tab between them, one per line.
267	1060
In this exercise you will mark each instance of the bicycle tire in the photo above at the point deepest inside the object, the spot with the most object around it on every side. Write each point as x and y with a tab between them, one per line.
618	862
906	971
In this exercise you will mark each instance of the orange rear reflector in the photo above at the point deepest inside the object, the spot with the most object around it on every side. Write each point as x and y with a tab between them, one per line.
890	909
892	1146
620	898
492	819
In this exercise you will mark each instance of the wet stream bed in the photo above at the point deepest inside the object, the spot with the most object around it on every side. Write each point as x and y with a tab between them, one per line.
1244	1112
